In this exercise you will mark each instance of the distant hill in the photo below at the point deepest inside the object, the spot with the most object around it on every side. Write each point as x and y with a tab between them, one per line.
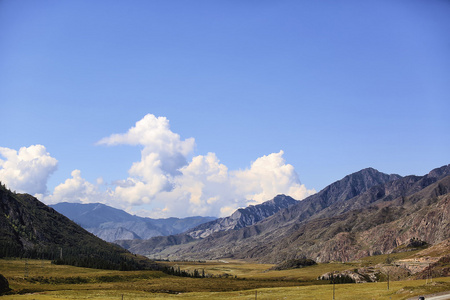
29	228
365	213
241	218
111	224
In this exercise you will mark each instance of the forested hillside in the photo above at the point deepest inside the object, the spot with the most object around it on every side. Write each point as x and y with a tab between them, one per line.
29	228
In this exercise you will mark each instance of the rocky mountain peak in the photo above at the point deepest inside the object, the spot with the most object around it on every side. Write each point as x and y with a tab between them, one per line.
439	172
348	187
281	200
243	217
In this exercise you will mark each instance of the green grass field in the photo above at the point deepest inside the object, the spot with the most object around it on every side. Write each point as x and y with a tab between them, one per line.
35	279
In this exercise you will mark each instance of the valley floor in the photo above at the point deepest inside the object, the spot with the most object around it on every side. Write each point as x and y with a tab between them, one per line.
35	279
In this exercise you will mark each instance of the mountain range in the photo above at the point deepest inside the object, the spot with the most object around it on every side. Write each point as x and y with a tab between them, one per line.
365	213
111	224
241	218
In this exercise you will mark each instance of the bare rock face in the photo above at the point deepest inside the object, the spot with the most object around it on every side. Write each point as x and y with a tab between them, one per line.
365	213
243	217
275	238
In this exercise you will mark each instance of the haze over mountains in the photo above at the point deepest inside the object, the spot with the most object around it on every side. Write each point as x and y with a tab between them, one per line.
111	224
365	213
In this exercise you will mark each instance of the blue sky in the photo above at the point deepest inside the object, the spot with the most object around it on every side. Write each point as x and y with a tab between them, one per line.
337	86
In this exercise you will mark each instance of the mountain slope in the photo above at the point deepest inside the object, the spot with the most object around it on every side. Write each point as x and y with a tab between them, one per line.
29	228
381	228
357	203
111	224
276	225
92	214
221	243
243	217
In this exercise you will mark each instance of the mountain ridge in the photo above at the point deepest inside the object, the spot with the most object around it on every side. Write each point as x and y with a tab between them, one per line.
111	224
243	217
299	210
330	214
264	238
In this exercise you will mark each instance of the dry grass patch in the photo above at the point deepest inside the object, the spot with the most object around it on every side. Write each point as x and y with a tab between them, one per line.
262	271
105	284
377	291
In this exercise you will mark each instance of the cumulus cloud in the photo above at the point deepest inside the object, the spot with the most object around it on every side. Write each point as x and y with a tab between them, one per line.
28	169
164	151
168	181
162	156
77	190
208	187
167	184
268	176
202	189
164	181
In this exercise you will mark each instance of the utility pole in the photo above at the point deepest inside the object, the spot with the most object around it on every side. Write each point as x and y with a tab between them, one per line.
333	286
388	280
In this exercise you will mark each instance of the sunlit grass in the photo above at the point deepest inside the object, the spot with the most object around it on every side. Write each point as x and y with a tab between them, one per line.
382	258
398	290
251	278
262	271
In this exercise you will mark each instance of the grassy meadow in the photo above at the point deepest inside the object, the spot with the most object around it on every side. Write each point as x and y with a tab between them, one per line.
38	279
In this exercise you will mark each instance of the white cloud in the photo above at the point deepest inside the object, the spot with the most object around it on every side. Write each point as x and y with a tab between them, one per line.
206	187
202	189
28	169
164	183
268	176
163	150
162	156
78	190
